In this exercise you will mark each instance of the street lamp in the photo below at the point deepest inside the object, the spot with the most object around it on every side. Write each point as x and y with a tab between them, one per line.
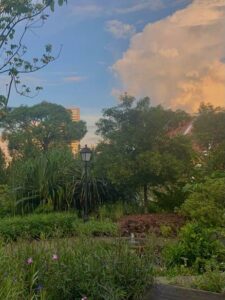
86	157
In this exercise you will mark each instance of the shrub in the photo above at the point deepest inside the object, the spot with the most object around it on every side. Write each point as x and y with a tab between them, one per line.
212	281
48	179
7	201
117	210
71	270
166	231
169	197
195	246
111	211
52	225
206	211
206	203
96	228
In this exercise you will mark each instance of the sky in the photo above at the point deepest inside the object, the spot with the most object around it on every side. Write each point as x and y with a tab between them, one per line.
170	50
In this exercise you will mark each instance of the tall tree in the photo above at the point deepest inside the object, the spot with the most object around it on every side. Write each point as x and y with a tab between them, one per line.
17	17
136	148
209	134
39	128
209	126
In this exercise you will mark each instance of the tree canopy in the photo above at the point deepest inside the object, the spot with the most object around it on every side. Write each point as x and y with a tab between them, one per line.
209	134
39	128
136	147
209	126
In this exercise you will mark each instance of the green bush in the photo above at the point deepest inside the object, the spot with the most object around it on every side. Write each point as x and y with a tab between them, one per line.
7	201
196	245
166	231
52	225
46	180
206	203
212	281
169	197
117	210
111	211
73	269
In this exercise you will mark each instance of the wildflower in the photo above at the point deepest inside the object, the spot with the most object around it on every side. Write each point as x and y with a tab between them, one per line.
84	298
29	261
55	257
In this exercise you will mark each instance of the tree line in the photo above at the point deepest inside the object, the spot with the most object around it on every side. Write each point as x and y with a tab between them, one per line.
137	159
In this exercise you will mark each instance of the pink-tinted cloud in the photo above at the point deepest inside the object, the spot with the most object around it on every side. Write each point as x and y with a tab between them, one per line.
119	29
179	61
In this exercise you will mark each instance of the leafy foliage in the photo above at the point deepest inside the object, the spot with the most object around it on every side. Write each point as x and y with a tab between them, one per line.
2	167
40	128
16	19
209	126
170	197
7	201
54	181
48	179
60	271
195	246
212	281
206	202
137	150
38	226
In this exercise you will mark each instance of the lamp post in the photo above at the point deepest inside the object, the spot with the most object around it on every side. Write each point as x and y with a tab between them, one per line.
86	157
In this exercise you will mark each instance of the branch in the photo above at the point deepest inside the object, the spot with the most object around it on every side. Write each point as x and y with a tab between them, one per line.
27	17
17	50
9	89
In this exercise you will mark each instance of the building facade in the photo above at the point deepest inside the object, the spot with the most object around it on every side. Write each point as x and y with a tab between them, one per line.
5	150
75	113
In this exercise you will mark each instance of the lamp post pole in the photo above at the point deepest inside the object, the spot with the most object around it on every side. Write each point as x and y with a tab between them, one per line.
85	156
85	216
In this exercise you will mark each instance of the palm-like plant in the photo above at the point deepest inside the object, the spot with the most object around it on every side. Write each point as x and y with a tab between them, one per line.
55	179
47	179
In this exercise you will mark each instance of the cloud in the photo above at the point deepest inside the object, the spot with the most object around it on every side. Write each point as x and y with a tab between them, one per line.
90	138
87	10
179	61
119	29
141	5
92	9
74	78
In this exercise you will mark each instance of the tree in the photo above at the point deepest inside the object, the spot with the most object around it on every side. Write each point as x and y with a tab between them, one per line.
209	134
2	167
39	128
16	19
209	126
136	148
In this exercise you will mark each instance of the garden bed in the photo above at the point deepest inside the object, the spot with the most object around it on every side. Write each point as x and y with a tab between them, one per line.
159	224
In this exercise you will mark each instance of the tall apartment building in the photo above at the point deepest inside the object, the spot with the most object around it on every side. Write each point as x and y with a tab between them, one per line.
75	112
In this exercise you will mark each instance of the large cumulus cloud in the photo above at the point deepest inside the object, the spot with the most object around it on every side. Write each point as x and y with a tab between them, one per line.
179	61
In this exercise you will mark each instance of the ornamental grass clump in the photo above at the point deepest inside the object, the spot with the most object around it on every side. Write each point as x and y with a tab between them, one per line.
73	269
